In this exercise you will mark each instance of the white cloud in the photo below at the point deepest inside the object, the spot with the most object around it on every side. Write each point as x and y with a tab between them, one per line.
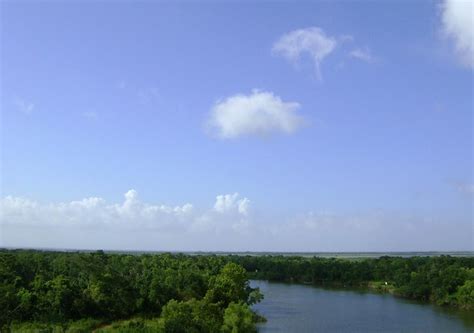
362	54
244	205
311	41
457	18
24	106
228	224
314	43
231	202
131	214
230	214
259	113
93	212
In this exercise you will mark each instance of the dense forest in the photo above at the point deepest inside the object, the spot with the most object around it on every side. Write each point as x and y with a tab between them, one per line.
84	292
444	280
44	291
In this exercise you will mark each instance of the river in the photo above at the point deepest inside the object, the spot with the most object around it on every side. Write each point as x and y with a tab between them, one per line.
300	308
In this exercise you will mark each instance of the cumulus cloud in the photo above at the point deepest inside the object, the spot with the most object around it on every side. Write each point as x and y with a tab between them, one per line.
93	212
231	202
457	18
230	213
259	113
229	224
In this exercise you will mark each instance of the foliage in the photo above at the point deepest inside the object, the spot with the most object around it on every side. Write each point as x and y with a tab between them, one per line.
465	293
230	285
238	318
75	292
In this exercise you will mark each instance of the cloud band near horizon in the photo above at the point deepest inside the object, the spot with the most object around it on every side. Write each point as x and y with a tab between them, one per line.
230	224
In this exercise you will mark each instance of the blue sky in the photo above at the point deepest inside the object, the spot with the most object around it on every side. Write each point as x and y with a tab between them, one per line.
341	126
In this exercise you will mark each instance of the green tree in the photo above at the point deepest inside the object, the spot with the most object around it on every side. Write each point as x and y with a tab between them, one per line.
177	317
238	318
230	285
465	295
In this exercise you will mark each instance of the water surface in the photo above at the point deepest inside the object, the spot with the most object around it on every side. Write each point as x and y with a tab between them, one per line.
301	308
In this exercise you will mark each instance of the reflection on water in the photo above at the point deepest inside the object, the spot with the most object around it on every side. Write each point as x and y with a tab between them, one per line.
300	308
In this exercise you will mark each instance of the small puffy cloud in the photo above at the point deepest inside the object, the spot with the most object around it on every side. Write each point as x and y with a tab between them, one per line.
259	113
362	54
244	206
312	41
232	203
131	196
457	18
230	213
24	106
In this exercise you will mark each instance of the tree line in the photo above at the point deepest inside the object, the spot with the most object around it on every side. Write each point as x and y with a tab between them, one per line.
43	291
81	292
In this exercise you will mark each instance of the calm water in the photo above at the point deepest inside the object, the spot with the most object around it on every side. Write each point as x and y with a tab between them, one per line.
300	308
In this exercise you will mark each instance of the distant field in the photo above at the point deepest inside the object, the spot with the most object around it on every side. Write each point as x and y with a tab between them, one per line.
348	255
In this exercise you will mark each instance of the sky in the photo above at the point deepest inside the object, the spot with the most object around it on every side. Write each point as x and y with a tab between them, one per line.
237	126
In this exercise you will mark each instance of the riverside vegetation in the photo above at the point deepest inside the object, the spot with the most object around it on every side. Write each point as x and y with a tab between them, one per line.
443	280
83	292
